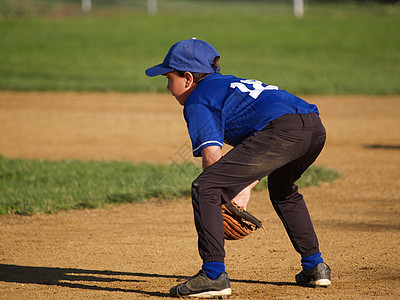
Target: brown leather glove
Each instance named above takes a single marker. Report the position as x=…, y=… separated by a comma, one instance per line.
x=238, y=223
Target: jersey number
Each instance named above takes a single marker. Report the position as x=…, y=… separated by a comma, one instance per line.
x=256, y=85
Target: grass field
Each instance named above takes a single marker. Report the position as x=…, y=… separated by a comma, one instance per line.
x=34, y=186
x=319, y=54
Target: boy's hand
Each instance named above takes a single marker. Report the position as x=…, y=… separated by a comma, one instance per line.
x=242, y=199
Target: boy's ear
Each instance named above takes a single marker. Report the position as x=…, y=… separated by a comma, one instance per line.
x=189, y=78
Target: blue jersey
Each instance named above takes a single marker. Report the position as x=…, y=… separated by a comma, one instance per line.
x=224, y=108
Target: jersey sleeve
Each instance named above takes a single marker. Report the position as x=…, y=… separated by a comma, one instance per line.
x=205, y=126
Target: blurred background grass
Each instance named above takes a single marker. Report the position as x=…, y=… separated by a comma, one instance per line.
x=38, y=186
x=333, y=49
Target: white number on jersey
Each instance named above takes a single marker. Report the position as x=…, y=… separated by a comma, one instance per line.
x=256, y=85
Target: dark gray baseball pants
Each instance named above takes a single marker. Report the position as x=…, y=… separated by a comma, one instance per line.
x=283, y=150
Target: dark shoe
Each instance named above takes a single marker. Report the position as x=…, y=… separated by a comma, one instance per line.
x=202, y=286
x=318, y=276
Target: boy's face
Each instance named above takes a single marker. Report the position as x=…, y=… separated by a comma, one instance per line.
x=180, y=87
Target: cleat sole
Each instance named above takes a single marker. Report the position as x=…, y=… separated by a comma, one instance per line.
x=322, y=283
x=223, y=294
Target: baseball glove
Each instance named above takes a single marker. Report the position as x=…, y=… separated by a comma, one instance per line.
x=238, y=223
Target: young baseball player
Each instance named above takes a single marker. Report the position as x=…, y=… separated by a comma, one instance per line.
x=273, y=133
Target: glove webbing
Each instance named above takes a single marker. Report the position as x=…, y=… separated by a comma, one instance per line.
x=240, y=212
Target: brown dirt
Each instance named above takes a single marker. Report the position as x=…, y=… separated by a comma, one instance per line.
x=138, y=251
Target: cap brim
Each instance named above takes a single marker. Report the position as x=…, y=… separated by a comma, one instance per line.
x=158, y=70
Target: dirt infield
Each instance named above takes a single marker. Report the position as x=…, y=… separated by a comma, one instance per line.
x=138, y=251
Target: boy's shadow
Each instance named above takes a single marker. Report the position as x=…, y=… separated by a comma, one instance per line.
x=69, y=277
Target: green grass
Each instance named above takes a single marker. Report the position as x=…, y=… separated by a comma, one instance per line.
x=34, y=186
x=319, y=54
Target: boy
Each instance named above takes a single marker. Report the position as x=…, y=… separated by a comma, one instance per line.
x=273, y=133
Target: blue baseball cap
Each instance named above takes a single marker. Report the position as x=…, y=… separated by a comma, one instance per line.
x=191, y=55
